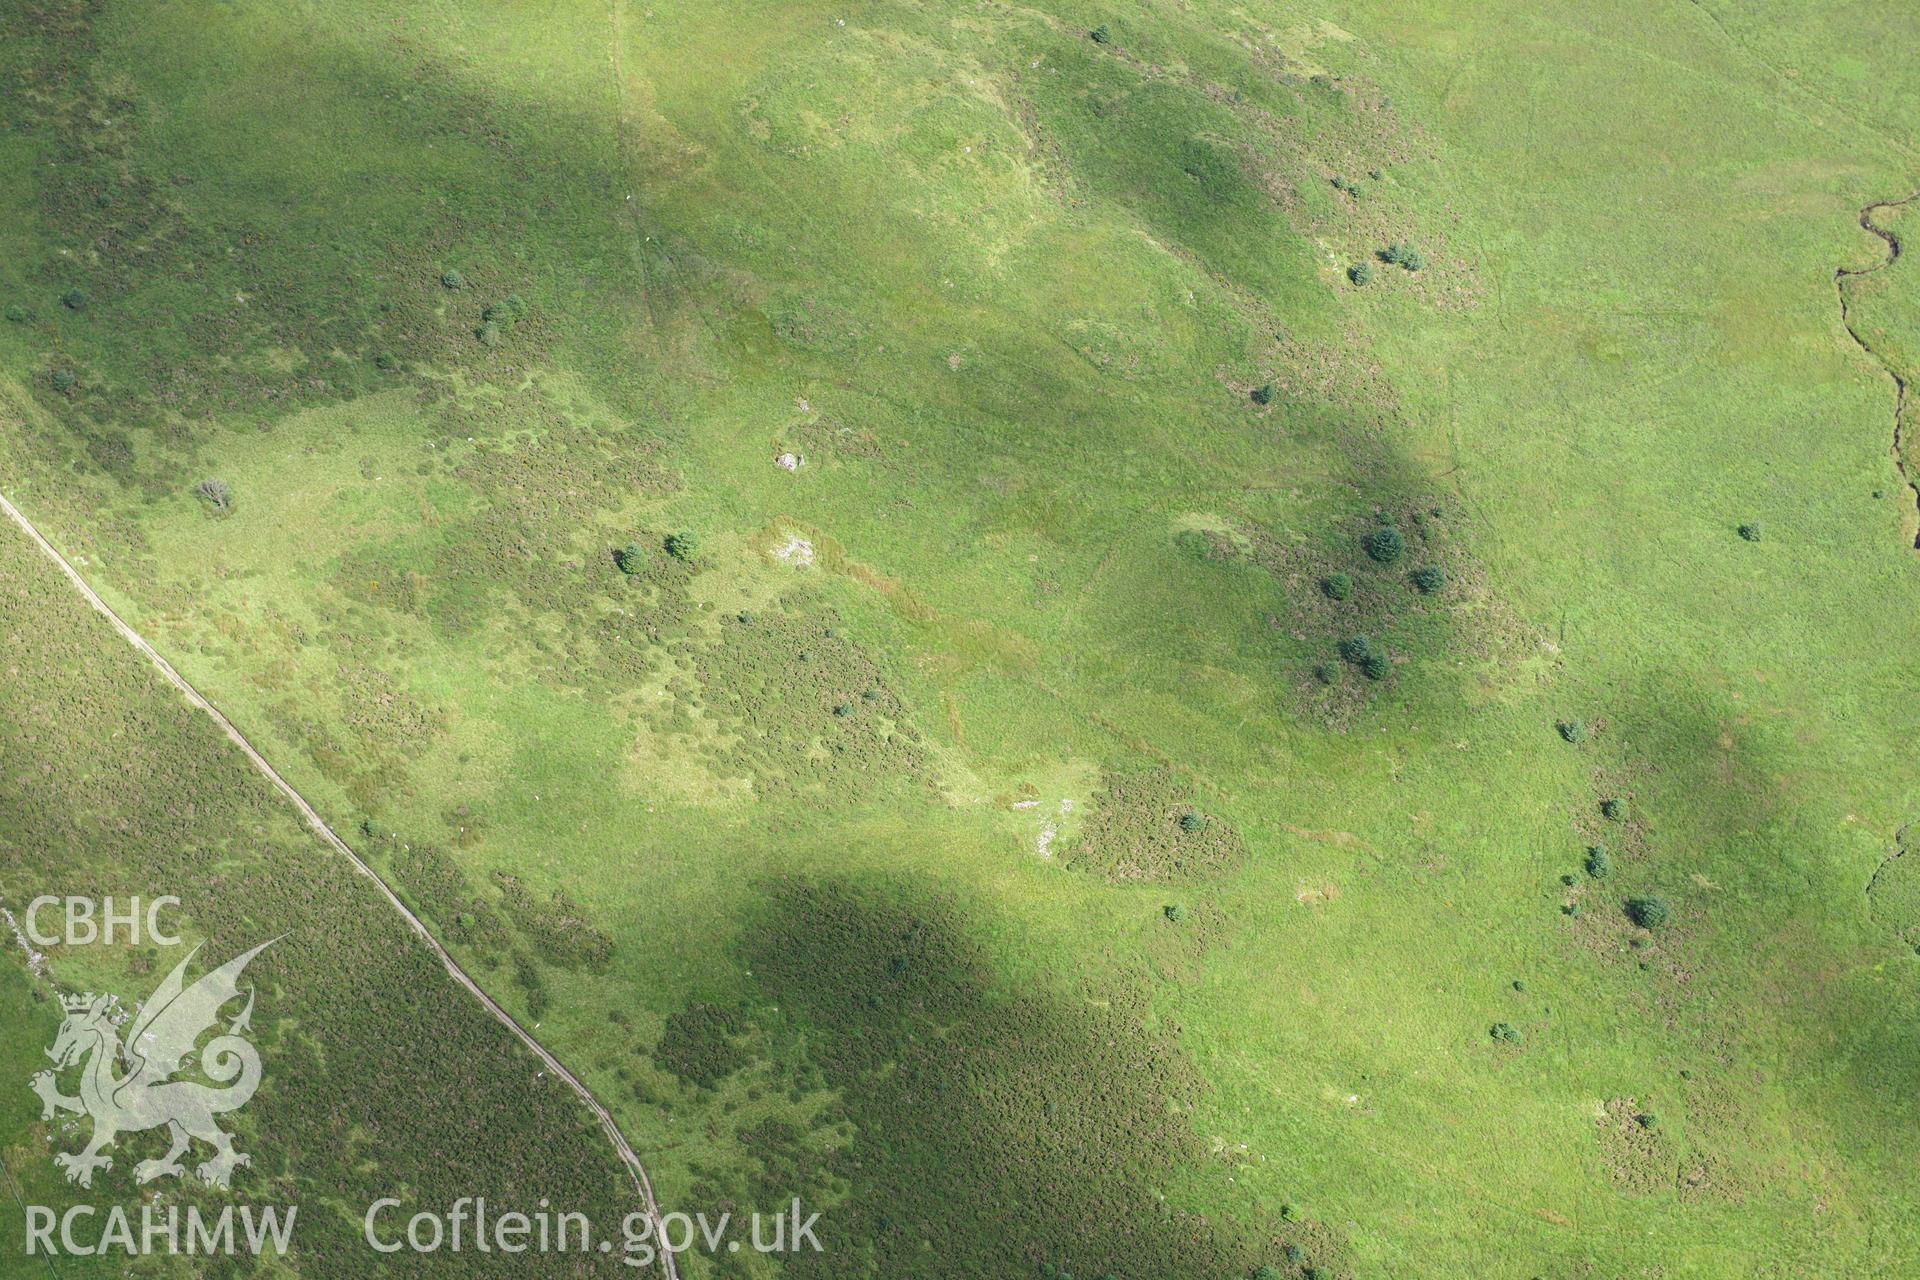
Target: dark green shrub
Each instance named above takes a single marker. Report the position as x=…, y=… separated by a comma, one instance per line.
x=62, y=379
x=1574, y=730
x=452, y=279
x=1648, y=1120
x=74, y=299
x=1429, y=578
x=1750, y=531
x=1326, y=673
x=1613, y=809
x=1100, y=34
x=1376, y=666
x=1174, y=912
x=1599, y=864
x=1191, y=821
x=1356, y=648
x=386, y=360
x=1338, y=586
x=1505, y=1032
x=1519, y=986
x=1294, y=1253
x=1266, y=1271
x=1403, y=255
x=1361, y=273
x=843, y=709
x=1385, y=544
x=1650, y=912
x=16, y=313
x=631, y=558
x=1263, y=394
x=488, y=333
x=683, y=545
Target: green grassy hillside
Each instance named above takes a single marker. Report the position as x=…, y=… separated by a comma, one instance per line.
x=378, y=1079
x=1265, y=508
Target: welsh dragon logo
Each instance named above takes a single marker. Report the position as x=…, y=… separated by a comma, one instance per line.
x=159, y=1044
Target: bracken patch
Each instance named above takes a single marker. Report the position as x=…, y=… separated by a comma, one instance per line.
x=1139, y=830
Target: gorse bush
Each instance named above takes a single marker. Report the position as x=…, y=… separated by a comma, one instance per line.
x=1750, y=532
x=1403, y=255
x=451, y=279
x=62, y=379
x=1356, y=648
x=1613, y=809
x=1650, y=912
x=1174, y=912
x=1191, y=821
x=683, y=545
x=1505, y=1032
x=631, y=558
x=1101, y=35
x=1385, y=544
x=1574, y=730
x=1599, y=863
x=1263, y=394
x=1376, y=666
x=1337, y=586
x=1429, y=578
x=1361, y=273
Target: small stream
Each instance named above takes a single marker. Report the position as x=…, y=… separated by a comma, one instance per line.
x=1900, y=391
